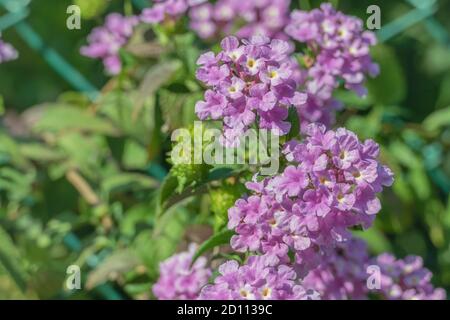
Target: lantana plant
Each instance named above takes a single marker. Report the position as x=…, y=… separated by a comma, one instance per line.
x=289, y=235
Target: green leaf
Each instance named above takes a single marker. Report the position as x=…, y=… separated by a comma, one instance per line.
x=126, y=181
x=40, y=152
x=169, y=197
x=82, y=151
x=404, y=155
x=134, y=155
x=57, y=118
x=420, y=182
x=366, y=126
x=153, y=247
x=436, y=58
x=2, y=106
x=218, y=239
x=139, y=214
x=220, y=173
x=305, y=5
x=18, y=184
x=10, y=152
x=154, y=79
x=167, y=189
x=351, y=99
x=375, y=239
x=122, y=109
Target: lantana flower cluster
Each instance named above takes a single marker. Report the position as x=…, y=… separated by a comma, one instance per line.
x=406, y=279
x=331, y=185
x=106, y=41
x=248, y=80
x=224, y=17
x=338, y=49
x=167, y=9
x=242, y=18
x=257, y=279
x=180, y=278
x=7, y=52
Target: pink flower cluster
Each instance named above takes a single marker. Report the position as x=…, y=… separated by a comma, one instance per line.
x=106, y=41
x=406, y=279
x=7, y=52
x=331, y=186
x=248, y=80
x=339, y=50
x=341, y=274
x=256, y=280
x=179, y=280
x=242, y=18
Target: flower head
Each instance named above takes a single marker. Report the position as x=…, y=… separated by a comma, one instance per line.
x=339, y=51
x=257, y=279
x=179, y=280
x=250, y=18
x=341, y=274
x=406, y=279
x=163, y=9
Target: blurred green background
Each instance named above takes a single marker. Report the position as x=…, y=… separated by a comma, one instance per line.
x=79, y=180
